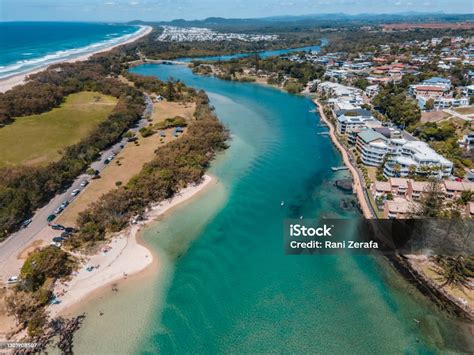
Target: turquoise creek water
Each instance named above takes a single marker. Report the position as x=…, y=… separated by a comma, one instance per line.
x=224, y=283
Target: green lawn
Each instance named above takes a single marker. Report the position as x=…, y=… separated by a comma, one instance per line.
x=38, y=139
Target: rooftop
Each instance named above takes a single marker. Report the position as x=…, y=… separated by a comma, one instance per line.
x=369, y=135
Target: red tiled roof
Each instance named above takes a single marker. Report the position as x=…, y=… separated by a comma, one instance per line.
x=429, y=88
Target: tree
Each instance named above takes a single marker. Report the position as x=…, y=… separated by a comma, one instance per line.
x=431, y=204
x=170, y=90
x=452, y=271
x=429, y=105
x=361, y=83
x=466, y=196
x=92, y=172
x=50, y=262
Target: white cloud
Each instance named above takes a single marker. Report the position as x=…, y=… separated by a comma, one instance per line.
x=133, y=3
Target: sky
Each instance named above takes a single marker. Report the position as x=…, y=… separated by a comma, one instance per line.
x=157, y=10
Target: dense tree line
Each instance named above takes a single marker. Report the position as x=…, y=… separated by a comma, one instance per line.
x=393, y=101
x=177, y=164
x=278, y=68
x=47, y=89
x=357, y=40
x=24, y=189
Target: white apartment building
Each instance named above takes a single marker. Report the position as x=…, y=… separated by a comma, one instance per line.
x=347, y=123
x=467, y=141
x=418, y=157
x=403, y=157
x=372, y=90
x=372, y=146
x=441, y=102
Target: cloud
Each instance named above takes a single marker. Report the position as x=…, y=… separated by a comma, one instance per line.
x=134, y=3
x=110, y=3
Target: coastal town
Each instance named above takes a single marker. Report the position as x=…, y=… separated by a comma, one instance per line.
x=146, y=123
x=425, y=133
x=398, y=159
x=197, y=34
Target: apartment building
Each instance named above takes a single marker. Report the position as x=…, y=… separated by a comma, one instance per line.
x=417, y=157
x=372, y=147
x=355, y=120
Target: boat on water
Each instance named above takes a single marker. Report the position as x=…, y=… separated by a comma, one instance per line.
x=282, y=203
x=337, y=168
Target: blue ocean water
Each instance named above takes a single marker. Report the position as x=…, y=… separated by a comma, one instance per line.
x=25, y=46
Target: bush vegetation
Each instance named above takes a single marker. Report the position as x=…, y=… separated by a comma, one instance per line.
x=37, y=276
x=177, y=164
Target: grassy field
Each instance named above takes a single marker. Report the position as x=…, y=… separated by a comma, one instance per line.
x=129, y=161
x=38, y=139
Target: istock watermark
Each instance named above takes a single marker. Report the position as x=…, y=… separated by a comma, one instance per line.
x=362, y=236
x=326, y=236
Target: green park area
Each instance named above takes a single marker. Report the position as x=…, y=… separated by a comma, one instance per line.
x=39, y=139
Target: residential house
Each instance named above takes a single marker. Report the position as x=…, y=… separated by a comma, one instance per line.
x=399, y=208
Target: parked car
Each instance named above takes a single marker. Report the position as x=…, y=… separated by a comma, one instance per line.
x=69, y=230
x=57, y=227
x=55, y=244
x=51, y=217
x=84, y=183
x=106, y=161
x=58, y=239
x=65, y=235
x=65, y=204
x=12, y=280
x=26, y=223
x=75, y=192
x=58, y=210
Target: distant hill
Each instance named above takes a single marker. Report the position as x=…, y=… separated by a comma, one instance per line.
x=313, y=20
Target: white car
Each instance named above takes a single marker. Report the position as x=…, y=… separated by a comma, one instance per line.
x=84, y=183
x=75, y=192
x=55, y=244
x=12, y=280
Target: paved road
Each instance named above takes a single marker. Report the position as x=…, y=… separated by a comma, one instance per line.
x=17, y=242
x=458, y=115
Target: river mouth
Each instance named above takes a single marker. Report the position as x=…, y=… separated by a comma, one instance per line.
x=226, y=284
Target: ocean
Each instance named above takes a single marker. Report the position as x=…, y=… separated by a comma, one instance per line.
x=25, y=46
x=224, y=284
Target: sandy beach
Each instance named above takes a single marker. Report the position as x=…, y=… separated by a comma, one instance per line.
x=9, y=82
x=126, y=257
x=358, y=187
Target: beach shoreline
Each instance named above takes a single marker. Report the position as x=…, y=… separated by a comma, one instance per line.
x=128, y=259
x=9, y=82
x=358, y=184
